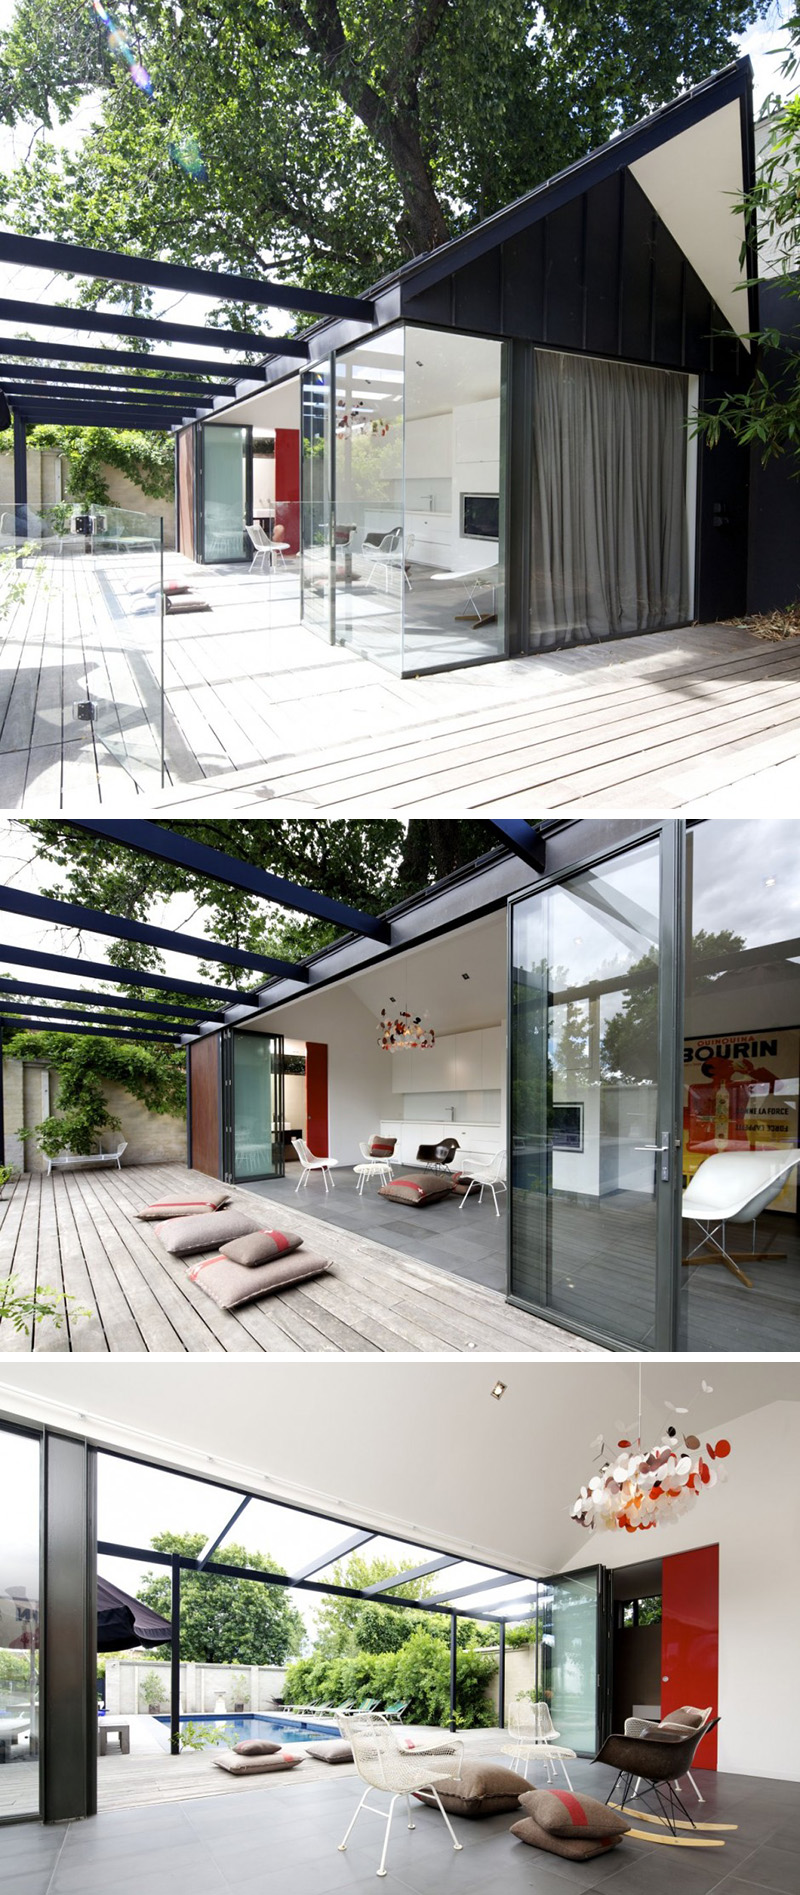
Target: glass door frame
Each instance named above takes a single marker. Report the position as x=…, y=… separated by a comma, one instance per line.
x=30, y=1431
x=671, y=838
x=604, y=1639
x=228, y=1108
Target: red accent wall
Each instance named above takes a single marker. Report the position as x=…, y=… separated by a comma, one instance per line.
x=690, y=1637
x=287, y=486
x=317, y=1098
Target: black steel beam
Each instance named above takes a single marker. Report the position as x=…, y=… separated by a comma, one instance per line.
x=318, y=1565
x=116, y=417
x=124, y=976
x=526, y=841
x=129, y=358
x=175, y=1658
x=49, y=1010
x=20, y=469
x=501, y=1678
x=181, y=1010
x=62, y=401
x=55, y=316
x=100, y=1033
x=211, y=1545
x=116, y=266
x=413, y=1572
x=2, y=1107
x=453, y=1668
x=30, y=380
x=71, y=914
x=168, y=845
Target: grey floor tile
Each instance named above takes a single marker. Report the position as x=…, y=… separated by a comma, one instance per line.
x=768, y=1867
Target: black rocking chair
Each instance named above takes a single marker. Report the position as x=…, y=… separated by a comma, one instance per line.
x=660, y=1761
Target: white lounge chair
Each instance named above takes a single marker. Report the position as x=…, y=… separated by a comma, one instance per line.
x=734, y=1187
x=309, y=1163
x=79, y=1161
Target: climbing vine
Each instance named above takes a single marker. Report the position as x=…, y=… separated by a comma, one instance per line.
x=145, y=459
x=154, y=1075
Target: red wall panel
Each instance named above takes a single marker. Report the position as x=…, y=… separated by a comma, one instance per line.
x=287, y=485
x=317, y=1097
x=690, y=1637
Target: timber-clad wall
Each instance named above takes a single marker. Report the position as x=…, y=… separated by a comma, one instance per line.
x=205, y=1105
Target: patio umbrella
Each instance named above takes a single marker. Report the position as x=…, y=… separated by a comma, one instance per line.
x=123, y=1623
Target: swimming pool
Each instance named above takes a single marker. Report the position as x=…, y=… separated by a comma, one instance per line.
x=232, y=1730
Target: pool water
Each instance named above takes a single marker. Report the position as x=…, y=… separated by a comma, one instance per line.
x=232, y=1730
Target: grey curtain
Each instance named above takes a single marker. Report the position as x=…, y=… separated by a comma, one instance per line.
x=609, y=550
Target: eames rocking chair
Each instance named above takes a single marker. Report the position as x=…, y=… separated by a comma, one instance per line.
x=658, y=1761
x=384, y=1763
x=734, y=1187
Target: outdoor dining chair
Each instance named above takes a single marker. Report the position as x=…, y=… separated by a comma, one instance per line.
x=485, y=1174
x=309, y=1163
x=533, y=1739
x=383, y=1763
x=734, y=1187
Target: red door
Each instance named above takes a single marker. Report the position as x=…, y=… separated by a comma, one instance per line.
x=690, y=1637
x=317, y=1097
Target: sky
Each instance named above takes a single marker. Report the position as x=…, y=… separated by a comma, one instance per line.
x=759, y=42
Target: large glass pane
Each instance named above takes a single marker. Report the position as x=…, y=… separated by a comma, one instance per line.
x=454, y=598
x=569, y=1657
x=20, y=1592
x=316, y=499
x=224, y=469
x=584, y=1097
x=742, y=1085
x=257, y=1134
x=372, y=571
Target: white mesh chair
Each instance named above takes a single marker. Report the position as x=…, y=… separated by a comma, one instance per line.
x=384, y=1763
x=533, y=1739
x=309, y=1163
x=485, y=1174
x=262, y=546
x=374, y=1165
x=734, y=1187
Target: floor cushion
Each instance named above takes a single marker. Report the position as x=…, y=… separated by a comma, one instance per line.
x=575, y=1848
x=181, y=1235
x=256, y=1747
x=418, y=1187
x=177, y=1207
x=231, y=1284
x=483, y=1789
x=336, y=1751
x=253, y=1766
x=565, y=1813
x=260, y=1246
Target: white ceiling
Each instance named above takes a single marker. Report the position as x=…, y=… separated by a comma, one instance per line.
x=415, y=1447
x=693, y=182
x=277, y=407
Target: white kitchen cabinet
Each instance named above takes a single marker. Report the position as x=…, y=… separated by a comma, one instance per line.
x=467, y=1075
x=493, y=1056
x=458, y=1062
x=429, y=447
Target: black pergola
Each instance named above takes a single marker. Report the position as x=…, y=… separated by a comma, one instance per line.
x=42, y=393
x=193, y=1008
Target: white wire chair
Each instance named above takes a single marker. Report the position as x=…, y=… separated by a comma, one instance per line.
x=533, y=1736
x=485, y=1174
x=372, y=1166
x=384, y=1763
x=309, y=1163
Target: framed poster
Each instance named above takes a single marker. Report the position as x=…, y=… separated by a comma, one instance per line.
x=741, y=1094
x=566, y=1126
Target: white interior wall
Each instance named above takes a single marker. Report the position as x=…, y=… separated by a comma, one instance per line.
x=754, y=1517
x=446, y=456
x=359, y=1074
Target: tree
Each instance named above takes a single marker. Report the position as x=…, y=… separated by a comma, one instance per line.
x=766, y=415
x=328, y=142
x=226, y=1621
x=347, y=1626
x=369, y=864
x=630, y=1038
x=147, y=460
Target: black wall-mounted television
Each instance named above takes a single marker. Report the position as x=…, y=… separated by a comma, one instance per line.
x=566, y=1126
x=480, y=516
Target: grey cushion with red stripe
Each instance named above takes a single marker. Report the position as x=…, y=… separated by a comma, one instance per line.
x=261, y=1246
x=564, y=1813
x=182, y=1207
x=182, y=1235
x=577, y=1847
x=418, y=1187
x=229, y=1284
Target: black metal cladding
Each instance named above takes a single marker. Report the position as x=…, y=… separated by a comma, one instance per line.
x=600, y=275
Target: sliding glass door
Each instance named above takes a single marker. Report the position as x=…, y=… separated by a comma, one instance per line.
x=20, y=1629
x=253, y=1105
x=594, y=1127
x=575, y=1649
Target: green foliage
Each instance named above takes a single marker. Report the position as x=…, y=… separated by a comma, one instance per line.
x=346, y=1627
x=339, y=137
x=8, y=1173
x=519, y=1635
x=419, y=1670
x=629, y=1040
x=154, y=1688
x=15, y=1667
x=766, y=415
x=22, y=1308
x=226, y=1621
x=13, y=580
x=146, y=459
x=202, y=1736
x=152, y=1074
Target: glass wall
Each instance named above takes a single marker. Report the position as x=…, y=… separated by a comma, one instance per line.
x=584, y=1092
x=570, y=1657
x=224, y=452
x=20, y=1629
x=413, y=526
x=742, y=1083
x=257, y=1106
x=316, y=500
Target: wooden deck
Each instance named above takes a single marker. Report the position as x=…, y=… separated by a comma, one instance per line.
x=78, y=1232
x=655, y=724
x=676, y=721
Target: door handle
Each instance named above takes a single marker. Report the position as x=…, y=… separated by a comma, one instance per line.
x=665, y=1679
x=664, y=1150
